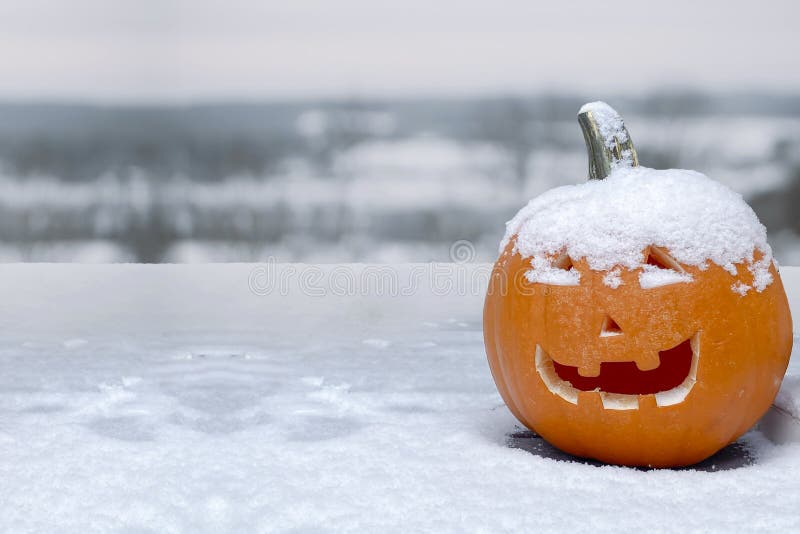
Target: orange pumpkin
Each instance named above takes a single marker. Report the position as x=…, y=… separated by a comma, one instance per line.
x=641, y=376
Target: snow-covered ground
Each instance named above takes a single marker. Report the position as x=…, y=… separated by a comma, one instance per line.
x=274, y=398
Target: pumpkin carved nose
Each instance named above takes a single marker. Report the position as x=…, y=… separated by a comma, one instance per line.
x=610, y=327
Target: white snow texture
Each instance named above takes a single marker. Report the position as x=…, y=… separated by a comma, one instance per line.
x=176, y=399
x=612, y=222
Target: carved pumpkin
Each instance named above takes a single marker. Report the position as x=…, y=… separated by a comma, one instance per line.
x=634, y=352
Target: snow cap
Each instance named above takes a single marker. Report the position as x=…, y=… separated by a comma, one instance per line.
x=611, y=222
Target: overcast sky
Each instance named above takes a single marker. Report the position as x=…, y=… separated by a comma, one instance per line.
x=153, y=50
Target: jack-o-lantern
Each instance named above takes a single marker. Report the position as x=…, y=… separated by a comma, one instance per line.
x=637, y=318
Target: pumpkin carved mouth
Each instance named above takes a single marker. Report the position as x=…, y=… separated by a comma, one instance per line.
x=622, y=385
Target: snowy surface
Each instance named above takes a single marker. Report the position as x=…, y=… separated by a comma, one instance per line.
x=274, y=398
x=652, y=276
x=611, y=223
x=545, y=271
x=789, y=396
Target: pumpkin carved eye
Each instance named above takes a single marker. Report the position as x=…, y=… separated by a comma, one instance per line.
x=563, y=262
x=558, y=271
x=659, y=258
x=661, y=269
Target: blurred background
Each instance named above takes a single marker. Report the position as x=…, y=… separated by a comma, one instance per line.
x=317, y=131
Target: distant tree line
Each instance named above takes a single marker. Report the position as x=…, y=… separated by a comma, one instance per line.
x=213, y=142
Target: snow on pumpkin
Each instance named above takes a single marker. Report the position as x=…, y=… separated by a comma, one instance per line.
x=613, y=222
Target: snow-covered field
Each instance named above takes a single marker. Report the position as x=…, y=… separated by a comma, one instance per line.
x=275, y=398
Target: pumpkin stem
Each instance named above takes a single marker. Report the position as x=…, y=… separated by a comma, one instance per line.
x=607, y=140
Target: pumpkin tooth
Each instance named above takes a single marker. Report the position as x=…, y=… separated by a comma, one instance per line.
x=648, y=361
x=619, y=401
x=590, y=369
x=647, y=402
x=591, y=399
